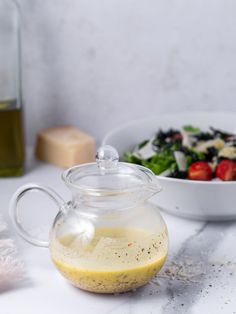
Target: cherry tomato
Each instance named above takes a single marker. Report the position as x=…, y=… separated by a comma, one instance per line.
x=226, y=170
x=200, y=170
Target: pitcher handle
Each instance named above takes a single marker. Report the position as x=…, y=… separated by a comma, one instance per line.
x=14, y=210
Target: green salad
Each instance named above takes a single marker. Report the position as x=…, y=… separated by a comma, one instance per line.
x=188, y=153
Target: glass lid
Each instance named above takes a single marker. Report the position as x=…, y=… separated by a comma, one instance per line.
x=107, y=174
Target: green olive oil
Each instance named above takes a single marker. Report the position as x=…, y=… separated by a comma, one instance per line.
x=11, y=139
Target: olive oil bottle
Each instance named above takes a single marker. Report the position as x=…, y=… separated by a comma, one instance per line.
x=11, y=128
x=11, y=139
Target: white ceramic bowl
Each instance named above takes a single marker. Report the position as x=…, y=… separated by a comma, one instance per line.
x=214, y=200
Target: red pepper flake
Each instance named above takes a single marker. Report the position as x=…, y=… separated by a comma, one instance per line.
x=129, y=244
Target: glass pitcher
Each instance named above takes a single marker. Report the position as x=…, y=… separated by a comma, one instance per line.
x=108, y=238
x=11, y=129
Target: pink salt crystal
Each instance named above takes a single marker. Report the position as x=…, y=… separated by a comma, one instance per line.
x=11, y=268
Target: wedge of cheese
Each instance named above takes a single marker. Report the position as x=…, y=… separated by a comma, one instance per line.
x=65, y=146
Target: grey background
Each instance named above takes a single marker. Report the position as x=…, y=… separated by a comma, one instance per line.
x=98, y=64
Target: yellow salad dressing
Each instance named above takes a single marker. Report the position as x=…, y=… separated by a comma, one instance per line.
x=115, y=260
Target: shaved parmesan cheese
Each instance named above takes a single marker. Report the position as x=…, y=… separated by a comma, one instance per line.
x=166, y=173
x=180, y=160
x=188, y=139
x=146, y=152
x=203, y=146
x=228, y=152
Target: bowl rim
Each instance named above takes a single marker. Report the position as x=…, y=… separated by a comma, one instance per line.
x=166, y=115
x=196, y=182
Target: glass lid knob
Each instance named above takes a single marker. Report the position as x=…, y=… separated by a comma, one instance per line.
x=107, y=157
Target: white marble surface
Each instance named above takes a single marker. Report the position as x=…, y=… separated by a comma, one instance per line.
x=101, y=63
x=206, y=250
